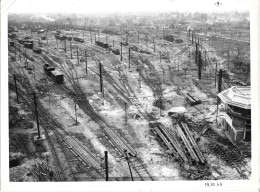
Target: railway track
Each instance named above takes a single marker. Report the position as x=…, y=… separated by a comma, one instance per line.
x=58, y=140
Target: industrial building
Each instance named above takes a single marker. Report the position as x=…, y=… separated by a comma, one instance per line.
x=235, y=115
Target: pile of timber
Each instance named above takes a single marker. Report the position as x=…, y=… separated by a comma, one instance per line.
x=179, y=140
x=43, y=172
x=192, y=100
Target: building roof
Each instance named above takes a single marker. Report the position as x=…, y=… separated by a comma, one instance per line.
x=239, y=96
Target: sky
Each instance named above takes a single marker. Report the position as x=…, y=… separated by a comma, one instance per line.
x=108, y=6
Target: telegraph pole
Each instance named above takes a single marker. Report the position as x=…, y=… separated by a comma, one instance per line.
x=26, y=64
x=163, y=31
x=125, y=113
x=16, y=91
x=216, y=74
x=121, y=51
x=86, y=62
x=20, y=53
x=106, y=165
x=160, y=100
x=200, y=62
x=228, y=60
x=219, y=80
x=101, y=78
x=138, y=37
x=160, y=56
x=127, y=159
x=90, y=37
x=248, y=69
x=75, y=110
x=65, y=46
x=71, y=49
x=14, y=50
x=153, y=45
x=46, y=37
x=36, y=115
x=56, y=43
x=129, y=58
x=78, y=54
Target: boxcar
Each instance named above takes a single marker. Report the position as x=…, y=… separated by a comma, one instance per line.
x=57, y=76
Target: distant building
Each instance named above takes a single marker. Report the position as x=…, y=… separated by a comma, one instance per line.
x=235, y=113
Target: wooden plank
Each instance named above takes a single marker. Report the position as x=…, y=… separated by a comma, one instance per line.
x=175, y=144
x=195, y=146
x=187, y=144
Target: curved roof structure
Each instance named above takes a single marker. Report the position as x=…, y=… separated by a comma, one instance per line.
x=239, y=96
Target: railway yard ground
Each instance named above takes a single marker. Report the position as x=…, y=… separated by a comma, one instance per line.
x=135, y=105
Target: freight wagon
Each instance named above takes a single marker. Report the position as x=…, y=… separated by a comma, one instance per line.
x=78, y=39
x=101, y=44
x=28, y=45
x=47, y=69
x=115, y=51
x=57, y=76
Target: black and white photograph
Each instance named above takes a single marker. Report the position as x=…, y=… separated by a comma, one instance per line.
x=119, y=91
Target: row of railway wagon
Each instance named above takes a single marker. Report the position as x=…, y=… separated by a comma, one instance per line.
x=64, y=37
x=27, y=42
x=171, y=38
x=56, y=76
x=107, y=46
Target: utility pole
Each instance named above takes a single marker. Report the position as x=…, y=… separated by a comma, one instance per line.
x=138, y=37
x=75, y=105
x=14, y=50
x=121, y=52
x=86, y=62
x=129, y=58
x=46, y=37
x=78, y=54
x=205, y=56
x=71, y=49
x=200, y=62
x=219, y=81
x=20, y=53
x=106, y=165
x=65, y=46
x=160, y=56
x=163, y=31
x=36, y=115
x=26, y=64
x=216, y=74
x=160, y=105
x=126, y=157
x=153, y=45
x=247, y=73
x=90, y=37
x=196, y=54
x=101, y=78
x=16, y=91
x=189, y=34
x=228, y=60
x=33, y=73
x=192, y=37
x=125, y=113
x=56, y=43
x=113, y=44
